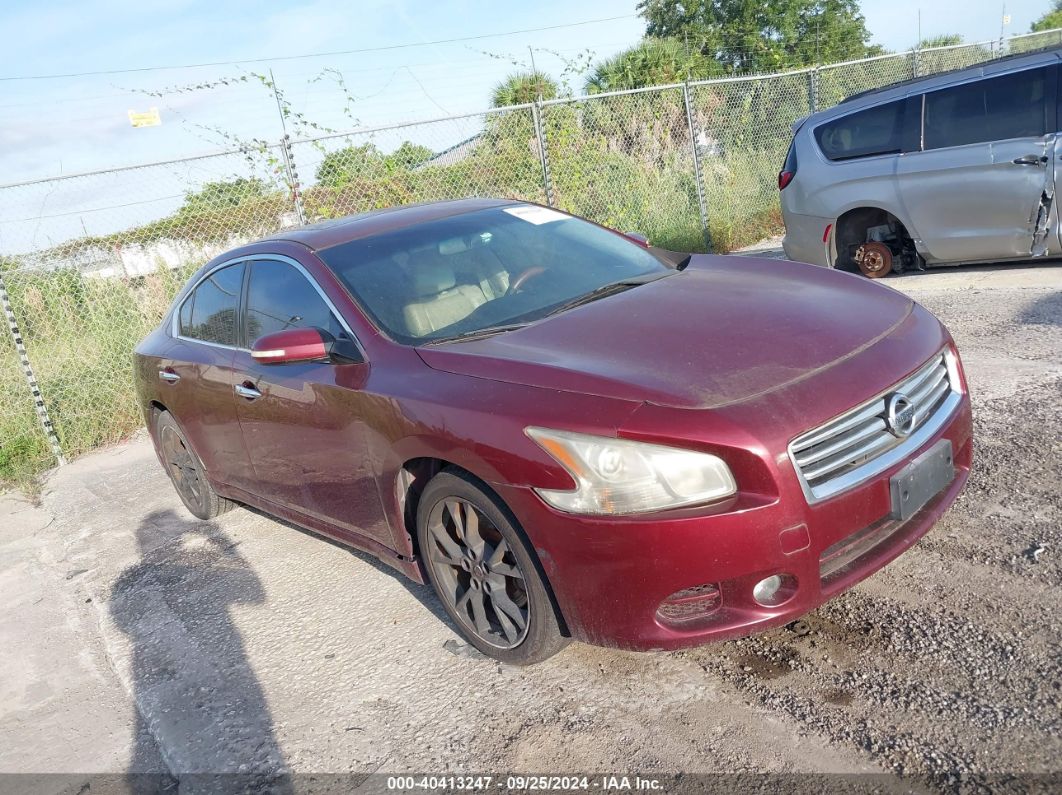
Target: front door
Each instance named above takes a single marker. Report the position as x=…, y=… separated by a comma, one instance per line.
x=303, y=423
x=980, y=189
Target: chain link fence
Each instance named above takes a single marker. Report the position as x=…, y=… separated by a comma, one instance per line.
x=90, y=263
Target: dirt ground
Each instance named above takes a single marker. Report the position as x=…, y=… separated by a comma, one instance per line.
x=135, y=638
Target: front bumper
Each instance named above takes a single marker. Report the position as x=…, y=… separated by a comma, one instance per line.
x=610, y=575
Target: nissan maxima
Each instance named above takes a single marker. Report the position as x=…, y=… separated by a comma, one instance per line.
x=570, y=434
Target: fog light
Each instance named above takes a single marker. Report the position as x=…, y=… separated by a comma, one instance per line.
x=772, y=591
x=690, y=604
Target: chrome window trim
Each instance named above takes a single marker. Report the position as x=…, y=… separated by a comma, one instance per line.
x=893, y=455
x=249, y=259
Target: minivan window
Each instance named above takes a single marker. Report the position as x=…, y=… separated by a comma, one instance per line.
x=1009, y=106
x=209, y=313
x=279, y=297
x=874, y=131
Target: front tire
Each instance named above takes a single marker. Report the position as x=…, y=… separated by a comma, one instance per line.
x=186, y=471
x=484, y=572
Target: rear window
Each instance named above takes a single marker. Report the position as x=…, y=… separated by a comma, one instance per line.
x=209, y=313
x=874, y=131
x=1009, y=106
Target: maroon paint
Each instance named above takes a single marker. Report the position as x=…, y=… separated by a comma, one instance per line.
x=735, y=357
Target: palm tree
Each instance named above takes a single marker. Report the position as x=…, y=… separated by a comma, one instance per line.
x=520, y=88
x=651, y=62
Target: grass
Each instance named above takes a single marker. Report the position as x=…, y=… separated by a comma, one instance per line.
x=80, y=334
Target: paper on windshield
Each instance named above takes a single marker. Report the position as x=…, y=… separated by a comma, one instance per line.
x=535, y=215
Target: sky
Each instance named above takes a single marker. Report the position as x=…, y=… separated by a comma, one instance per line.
x=64, y=125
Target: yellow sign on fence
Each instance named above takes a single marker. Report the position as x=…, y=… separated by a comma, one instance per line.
x=148, y=118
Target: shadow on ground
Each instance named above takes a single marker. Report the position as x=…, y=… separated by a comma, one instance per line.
x=1044, y=311
x=194, y=688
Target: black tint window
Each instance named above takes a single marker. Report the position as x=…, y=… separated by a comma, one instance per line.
x=279, y=297
x=874, y=131
x=209, y=313
x=1011, y=106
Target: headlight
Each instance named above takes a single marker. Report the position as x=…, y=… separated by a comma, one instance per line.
x=617, y=476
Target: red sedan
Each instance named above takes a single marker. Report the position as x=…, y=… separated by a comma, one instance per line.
x=569, y=433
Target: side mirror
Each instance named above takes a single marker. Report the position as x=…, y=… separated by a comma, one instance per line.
x=304, y=345
x=638, y=238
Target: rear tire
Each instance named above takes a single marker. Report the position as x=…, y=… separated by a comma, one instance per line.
x=484, y=572
x=186, y=471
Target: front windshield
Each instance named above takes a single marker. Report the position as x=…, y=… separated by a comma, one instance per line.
x=480, y=270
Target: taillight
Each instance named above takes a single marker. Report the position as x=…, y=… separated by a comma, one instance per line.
x=789, y=167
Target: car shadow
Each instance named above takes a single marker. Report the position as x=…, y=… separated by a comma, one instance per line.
x=1044, y=311
x=195, y=689
x=424, y=594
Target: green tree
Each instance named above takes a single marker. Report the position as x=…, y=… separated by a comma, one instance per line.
x=754, y=36
x=943, y=40
x=216, y=196
x=1050, y=20
x=652, y=62
x=344, y=165
x=365, y=161
x=520, y=88
x=407, y=156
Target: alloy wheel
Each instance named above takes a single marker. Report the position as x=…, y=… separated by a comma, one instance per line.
x=181, y=466
x=477, y=573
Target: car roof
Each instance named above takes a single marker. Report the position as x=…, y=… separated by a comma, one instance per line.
x=902, y=88
x=326, y=234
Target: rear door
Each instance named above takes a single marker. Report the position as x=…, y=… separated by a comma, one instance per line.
x=197, y=374
x=981, y=186
x=303, y=423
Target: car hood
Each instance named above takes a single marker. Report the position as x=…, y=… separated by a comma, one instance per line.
x=722, y=331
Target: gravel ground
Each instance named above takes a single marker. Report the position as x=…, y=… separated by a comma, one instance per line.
x=133, y=637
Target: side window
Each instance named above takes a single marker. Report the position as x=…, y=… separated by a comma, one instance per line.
x=279, y=297
x=1009, y=106
x=209, y=313
x=874, y=131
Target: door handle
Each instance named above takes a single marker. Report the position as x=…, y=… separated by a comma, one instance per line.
x=247, y=391
x=1030, y=160
x=169, y=376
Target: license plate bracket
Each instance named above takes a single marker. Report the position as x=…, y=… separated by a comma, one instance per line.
x=921, y=480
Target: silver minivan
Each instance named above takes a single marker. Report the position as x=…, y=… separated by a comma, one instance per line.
x=949, y=169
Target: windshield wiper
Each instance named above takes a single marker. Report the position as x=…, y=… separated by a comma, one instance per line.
x=477, y=333
x=605, y=290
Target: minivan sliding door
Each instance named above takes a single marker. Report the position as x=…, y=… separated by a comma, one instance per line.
x=982, y=185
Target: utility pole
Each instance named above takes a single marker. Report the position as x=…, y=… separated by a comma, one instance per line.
x=916, y=65
x=288, y=156
x=818, y=20
x=534, y=73
x=280, y=107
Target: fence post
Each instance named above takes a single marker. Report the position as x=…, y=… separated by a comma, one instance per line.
x=813, y=90
x=702, y=206
x=31, y=379
x=543, y=153
x=916, y=63
x=293, y=177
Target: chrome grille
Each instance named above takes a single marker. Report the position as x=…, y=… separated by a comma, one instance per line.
x=859, y=444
